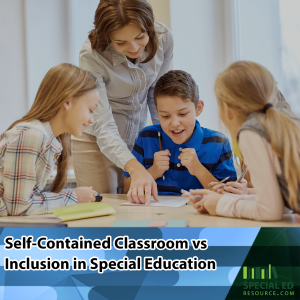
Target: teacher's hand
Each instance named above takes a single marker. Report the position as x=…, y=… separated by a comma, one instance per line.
x=142, y=183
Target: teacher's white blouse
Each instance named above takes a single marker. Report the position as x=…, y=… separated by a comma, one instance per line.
x=126, y=90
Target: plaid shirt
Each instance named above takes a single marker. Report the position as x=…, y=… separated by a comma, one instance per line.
x=28, y=153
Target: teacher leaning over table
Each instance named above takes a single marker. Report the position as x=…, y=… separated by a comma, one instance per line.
x=127, y=52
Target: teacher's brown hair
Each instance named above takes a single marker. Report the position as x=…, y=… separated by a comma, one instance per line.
x=113, y=15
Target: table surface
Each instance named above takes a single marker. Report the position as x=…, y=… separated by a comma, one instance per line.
x=186, y=212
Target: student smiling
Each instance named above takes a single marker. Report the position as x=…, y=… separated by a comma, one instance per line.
x=29, y=149
x=191, y=155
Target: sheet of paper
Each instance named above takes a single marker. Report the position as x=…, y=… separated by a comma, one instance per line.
x=169, y=201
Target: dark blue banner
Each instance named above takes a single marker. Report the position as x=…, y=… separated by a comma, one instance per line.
x=121, y=263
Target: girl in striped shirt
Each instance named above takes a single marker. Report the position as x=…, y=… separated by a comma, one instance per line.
x=30, y=148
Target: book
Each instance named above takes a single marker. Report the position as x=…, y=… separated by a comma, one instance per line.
x=31, y=221
x=34, y=224
x=80, y=211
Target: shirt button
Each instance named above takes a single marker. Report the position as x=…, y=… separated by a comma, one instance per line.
x=178, y=165
x=180, y=149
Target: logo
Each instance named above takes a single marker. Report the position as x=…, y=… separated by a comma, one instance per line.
x=259, y=273
x=265, y=281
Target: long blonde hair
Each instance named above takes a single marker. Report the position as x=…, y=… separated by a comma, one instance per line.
x=247, y=87
x=61, y=83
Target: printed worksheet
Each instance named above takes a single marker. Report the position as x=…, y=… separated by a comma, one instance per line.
x=169, y=201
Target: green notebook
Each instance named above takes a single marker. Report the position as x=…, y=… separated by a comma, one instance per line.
x=80, y=211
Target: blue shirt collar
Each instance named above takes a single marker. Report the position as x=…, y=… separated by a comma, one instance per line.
x=194, y=142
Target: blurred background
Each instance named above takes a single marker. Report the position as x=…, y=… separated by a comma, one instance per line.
x=36, y=35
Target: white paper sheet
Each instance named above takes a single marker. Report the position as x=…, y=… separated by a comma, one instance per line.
x=169, y=201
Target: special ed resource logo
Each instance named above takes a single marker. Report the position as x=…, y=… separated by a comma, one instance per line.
x=265, y=281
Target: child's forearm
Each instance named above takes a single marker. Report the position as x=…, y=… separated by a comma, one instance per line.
x=127, y=181
x=205, y=177
x=153, y=172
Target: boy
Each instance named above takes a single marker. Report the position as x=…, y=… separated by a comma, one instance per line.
x=190, y=156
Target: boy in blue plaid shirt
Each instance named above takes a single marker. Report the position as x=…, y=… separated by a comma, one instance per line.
x=190, y=156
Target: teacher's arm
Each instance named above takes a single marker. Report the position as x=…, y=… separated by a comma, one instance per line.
x=110, y=141
x=167, y=44
x=140, y=188
x=133, y=192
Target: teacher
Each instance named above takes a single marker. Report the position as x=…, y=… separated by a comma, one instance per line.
x=127, y=52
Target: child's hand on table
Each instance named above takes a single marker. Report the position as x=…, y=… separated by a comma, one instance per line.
x=208, y=203
x=85, y=194
x=230, y=187
x=189, y=159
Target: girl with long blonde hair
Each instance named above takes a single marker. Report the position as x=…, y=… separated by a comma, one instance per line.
x=31, y=146
x=269, y=141
x=246, y=187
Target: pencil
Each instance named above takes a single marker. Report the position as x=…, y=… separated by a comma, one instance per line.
x=219, y=182
x=163, y=176
x=242, y=175
x=187, y=192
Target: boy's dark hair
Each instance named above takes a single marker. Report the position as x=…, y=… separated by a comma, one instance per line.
x=177, y=83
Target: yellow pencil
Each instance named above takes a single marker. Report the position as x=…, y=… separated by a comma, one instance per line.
x=219, y=182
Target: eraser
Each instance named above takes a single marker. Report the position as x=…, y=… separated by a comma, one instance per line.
x=158, y=224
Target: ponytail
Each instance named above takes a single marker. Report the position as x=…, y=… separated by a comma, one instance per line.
x=284, y=136
x=248, y=88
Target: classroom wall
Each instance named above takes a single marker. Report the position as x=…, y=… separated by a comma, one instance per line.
x=259, y=31
x=200, y=49
x=34, y=36
x=47, y=32
x=13, y=72
x=161, y=9
x=38, y=34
